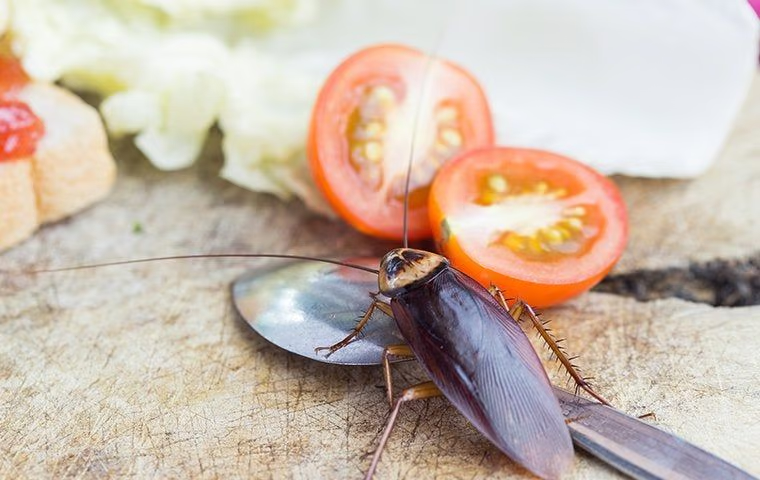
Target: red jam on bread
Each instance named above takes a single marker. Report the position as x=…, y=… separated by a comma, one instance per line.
x=20, y=128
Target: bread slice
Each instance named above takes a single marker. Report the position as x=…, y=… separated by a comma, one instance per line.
x=18, y=202
x=73, y=167
x=70, y=169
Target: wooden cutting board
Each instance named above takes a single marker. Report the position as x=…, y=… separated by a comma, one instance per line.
x=146, y=371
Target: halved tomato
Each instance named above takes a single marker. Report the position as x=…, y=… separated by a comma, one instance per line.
x=540, y=226
x=377, y=109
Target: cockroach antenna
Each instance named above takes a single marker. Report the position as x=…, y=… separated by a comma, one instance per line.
x=430, y=59
x=202, y=256
x=428, y=65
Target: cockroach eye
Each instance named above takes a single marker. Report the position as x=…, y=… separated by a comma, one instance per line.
x=413, y=255
x=394, y=266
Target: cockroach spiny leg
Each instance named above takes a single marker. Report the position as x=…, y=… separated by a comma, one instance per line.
x=416, y=392
x=400, y=352
x=357, y=329
x=519, y=308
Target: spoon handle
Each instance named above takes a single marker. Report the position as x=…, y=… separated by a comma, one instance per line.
x=637, y=448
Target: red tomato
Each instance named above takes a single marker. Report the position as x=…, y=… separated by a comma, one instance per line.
x=540, y=226
x=20, y=129
x=362, y=127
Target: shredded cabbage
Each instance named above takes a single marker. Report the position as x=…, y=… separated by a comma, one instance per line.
x=168, y=70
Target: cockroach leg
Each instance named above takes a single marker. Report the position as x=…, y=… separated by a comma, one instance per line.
x=416, y=392
x=384, y=307
x=400, y=352
x=517, y=309
x=559, y=352
x=520, y=310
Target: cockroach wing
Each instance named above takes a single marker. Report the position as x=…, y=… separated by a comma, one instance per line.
x=482, y=361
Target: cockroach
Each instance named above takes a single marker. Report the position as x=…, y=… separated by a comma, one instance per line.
x=476, y=355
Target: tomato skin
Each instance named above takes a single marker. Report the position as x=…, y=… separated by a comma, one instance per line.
x=541, y=284
x=369, y=211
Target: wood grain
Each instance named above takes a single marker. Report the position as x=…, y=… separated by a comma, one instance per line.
x=145, y=371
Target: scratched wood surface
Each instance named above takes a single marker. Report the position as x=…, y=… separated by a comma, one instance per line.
x=146, y=371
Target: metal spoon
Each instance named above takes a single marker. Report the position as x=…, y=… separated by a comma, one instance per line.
x=301, y=305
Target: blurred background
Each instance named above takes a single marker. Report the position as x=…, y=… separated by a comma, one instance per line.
x=647, y=88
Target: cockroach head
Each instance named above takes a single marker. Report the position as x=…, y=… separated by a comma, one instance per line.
x=403, y=269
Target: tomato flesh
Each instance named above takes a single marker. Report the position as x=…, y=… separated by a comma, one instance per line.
x=540, y=226
x=376, y=108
